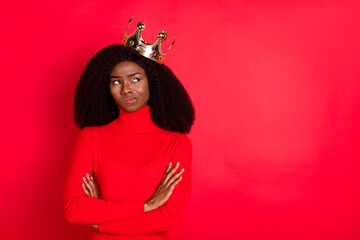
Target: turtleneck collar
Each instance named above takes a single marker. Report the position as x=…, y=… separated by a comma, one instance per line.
x=139, y=121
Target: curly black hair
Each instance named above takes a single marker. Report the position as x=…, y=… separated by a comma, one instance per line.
x=170, y=105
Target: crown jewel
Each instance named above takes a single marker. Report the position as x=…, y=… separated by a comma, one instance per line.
x=151, y=51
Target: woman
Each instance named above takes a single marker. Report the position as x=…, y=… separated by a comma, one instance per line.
x=124, y=177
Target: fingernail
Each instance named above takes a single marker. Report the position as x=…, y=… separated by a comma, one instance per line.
x=182, y=169
x=83, y=185
x=84, y=178
x=91, y=178
x=169, y=163
x=178, y=163
x=87, y=175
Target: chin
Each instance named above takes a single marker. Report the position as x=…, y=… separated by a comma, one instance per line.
x=130, y=108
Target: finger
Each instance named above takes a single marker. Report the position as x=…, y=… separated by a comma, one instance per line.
x=85, y=190
x=96, y=191
x=168, y=167
x=171, y=172
x=175, y=168
x=166, y=170
x=178, y=173
x=171, y=188
x=174, y=177
x=91, y=182
x=89, y=187
x=88, y=177
x=173, y=184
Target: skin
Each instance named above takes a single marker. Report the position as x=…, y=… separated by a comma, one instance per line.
x=127, y=79
x=159, y=198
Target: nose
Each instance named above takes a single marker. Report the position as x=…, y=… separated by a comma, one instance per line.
x=126, y=88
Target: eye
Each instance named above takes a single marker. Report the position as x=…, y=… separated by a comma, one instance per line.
x=137, y=79
x=116, y=82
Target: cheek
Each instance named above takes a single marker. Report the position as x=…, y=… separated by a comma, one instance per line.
x=113, y=92
x=145, y=92
x=145, y=89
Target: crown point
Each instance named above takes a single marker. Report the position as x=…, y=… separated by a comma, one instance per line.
x=141, y=25
x=162, y=35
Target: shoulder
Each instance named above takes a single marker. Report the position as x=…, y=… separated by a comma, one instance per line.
x=182, y=141
x=182, y=151
x=87, y=132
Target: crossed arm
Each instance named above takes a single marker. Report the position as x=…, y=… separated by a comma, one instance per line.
x=162, y=212
x=76, y=205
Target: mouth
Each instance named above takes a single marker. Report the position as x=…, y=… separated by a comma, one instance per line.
x=130, y=100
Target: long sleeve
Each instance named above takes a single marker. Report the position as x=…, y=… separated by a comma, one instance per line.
x=86, y=209
x=168, y=216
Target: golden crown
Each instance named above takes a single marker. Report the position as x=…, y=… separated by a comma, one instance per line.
x=151, y=51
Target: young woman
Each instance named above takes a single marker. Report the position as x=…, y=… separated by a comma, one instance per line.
x=129, y=176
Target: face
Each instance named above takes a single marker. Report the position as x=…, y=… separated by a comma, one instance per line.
x=129, y=86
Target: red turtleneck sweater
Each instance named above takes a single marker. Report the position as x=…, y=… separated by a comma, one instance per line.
x=127, y=159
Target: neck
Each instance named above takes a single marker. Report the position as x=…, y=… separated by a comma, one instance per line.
x=138, y=121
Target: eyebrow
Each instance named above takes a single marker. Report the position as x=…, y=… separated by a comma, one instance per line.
x=130, y=75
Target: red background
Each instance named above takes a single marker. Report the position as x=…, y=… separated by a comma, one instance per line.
x=275, y=86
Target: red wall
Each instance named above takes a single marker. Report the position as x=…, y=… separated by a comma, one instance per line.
x=276, y=89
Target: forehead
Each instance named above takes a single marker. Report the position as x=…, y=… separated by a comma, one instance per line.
x=126, y=67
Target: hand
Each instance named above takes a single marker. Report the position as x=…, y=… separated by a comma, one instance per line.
x=165, y=188
x=90, y=189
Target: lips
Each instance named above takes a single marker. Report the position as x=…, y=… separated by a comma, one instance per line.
x=130, y=100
